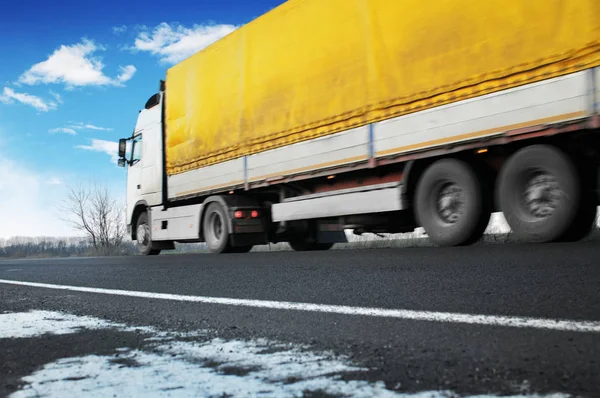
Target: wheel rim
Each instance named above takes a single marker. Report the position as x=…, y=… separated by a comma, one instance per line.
x=143, y=235
x=449, y=202
x=216, y=228
x=541, y=194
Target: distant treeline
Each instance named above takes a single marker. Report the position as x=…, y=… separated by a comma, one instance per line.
x=46, y=247
x=25, y=247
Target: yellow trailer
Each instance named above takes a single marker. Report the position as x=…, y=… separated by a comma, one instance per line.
x=311, y=68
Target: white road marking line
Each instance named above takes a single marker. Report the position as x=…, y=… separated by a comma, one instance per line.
x=447, y=317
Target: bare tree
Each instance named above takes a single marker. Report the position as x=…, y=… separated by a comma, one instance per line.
x=93, y=211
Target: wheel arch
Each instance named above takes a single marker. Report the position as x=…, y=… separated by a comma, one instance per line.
x=140, y=207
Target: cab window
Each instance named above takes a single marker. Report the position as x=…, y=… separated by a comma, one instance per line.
x=136, y=150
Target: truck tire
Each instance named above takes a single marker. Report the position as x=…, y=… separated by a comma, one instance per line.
x=539, y=193
x=215, y=229
x=450, y=203
x=144, y=236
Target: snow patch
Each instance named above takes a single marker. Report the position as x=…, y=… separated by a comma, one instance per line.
x=169, y=366
x=38, y=323
x=194, y=370
x=139, y=373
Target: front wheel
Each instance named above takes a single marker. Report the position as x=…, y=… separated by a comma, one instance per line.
x=144, y=237
x=450, y=203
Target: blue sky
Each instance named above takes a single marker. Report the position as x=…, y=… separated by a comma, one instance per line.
x=72, y=78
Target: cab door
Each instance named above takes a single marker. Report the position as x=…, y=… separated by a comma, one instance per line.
x=134, y=172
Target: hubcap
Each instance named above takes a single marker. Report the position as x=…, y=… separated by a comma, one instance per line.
x=143, y=234
x=450, y=203
x=542, y=195
x=216, y=228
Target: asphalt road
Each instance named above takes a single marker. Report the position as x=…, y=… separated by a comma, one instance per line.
x=409, y=351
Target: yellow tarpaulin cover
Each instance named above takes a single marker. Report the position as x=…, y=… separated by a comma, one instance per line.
x=310, y=68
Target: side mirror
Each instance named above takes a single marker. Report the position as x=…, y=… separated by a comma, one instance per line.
x=122, y=147
x=121, y=162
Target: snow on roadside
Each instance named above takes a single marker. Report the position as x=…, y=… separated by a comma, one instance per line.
x=165, y=373
x=186, y=365
x=37, y=323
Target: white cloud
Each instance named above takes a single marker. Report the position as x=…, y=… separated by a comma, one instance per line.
x=126, y=74
x=88, y=126
x=118, y=30
x=28, y=204
x=174, y=43
x=73, y=128
x=75, y=65
x=64, y=130
x=109, y=147
x=9, y=96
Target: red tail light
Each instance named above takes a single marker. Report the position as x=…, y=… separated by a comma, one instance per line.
x=238, y=214
x=254, y=214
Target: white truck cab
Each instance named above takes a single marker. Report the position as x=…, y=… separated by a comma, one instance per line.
x=144, y=161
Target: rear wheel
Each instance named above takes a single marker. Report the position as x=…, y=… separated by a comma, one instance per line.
x=450, y=203
x=216, y=231
x=540, y=195
x=144, y=236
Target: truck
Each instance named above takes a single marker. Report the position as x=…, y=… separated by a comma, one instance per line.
x=374, y=116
